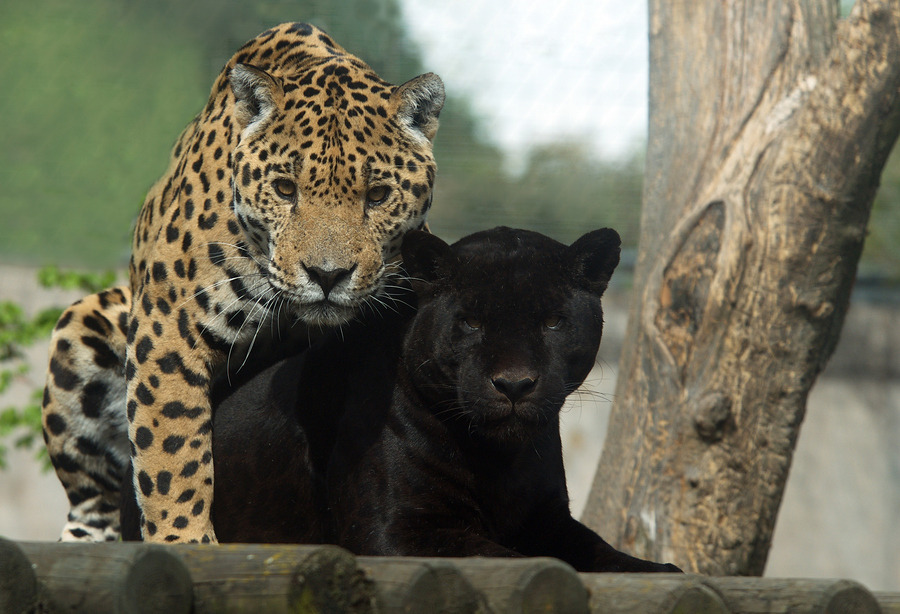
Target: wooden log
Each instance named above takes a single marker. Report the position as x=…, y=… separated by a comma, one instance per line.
x=526, y=585
x=651, y=594
x=421, y=585
x=328, y=580
x=18, y=584
x=794, y=596
x=254, y=578
x=234, y=578
x=889, y=602
x=110, y=577
x=117, y=577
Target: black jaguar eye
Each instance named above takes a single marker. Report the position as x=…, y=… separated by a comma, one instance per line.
x=377, y=195
x=285, y=188
x=472, y=323
x=553, y=322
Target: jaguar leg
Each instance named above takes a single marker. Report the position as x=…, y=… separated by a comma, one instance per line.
x=83, y=412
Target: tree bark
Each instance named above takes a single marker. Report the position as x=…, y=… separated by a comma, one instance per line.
x=770, y=122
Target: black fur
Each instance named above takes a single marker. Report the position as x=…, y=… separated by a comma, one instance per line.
x=446, y=444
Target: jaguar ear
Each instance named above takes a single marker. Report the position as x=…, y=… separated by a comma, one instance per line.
x=419, y=102
x=595, y=256
x=424, y=255
x=257, y=94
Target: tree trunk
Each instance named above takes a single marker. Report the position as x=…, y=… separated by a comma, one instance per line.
x=770, y=122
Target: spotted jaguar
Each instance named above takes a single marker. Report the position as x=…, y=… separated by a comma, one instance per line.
x=282, y=210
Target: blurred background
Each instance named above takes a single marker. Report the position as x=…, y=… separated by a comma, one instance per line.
x=544, y=128
x=544, y=124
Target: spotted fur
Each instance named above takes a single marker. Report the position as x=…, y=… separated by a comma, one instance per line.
x=283, y=205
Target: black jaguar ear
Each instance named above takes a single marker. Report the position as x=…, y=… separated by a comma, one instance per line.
x=595, y=256
x=257, y=94
x=419, y=104
x=423, y=256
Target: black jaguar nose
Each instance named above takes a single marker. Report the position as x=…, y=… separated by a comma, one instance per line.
x=514, y=389
x=327, y=279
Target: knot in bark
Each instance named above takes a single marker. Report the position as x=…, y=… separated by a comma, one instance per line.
x=712, y=415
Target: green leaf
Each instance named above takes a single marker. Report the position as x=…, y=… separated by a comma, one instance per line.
x=54, y=277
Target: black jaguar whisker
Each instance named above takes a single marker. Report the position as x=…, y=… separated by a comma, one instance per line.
x=458, y=412
x=423, y=363
x=584, y=391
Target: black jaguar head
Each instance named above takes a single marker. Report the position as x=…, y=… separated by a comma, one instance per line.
x=509, y=324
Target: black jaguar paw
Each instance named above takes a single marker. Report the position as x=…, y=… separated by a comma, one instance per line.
x=667, y=568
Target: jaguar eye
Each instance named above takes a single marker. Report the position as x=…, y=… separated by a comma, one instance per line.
x=553, y=322
x=377, y=195
x=285, y=188
x=472, y=323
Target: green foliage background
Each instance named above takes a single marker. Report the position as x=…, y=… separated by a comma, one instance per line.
x=96, y=91
x=19, y=330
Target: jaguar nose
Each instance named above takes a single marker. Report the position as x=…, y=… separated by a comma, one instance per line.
x=514, y=389
x=327, y=279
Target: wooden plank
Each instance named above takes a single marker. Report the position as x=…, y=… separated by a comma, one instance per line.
x=794, y=596
x=889, y=602
x=110, y=577
x=526, y=585
x=652, y=594
x=421, y=585
x=18, y=584
x=234, y=578
x=238, y=578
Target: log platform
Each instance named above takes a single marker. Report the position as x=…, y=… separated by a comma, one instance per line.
x=49, y=577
